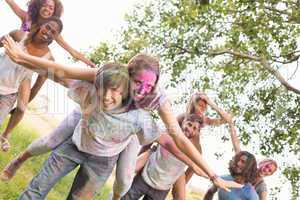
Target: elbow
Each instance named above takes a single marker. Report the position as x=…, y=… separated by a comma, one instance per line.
x=21, y=109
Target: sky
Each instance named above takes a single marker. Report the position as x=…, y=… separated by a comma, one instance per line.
x=88, y=22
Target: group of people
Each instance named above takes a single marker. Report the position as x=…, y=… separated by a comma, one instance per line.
x=113, y=126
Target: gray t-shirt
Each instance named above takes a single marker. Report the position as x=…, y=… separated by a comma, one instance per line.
x=162, y=169
x=107, y=134
x=261, y=187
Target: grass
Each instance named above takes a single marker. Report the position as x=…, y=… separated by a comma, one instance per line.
x=20, y=139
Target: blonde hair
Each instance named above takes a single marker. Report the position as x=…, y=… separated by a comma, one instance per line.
x=191, y=106
x=263, y=162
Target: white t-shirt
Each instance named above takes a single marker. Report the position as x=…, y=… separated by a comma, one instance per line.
x=12, y=74
x=109, y=133
x=162, y=169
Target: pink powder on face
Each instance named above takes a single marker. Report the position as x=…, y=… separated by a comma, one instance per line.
x=144, y=82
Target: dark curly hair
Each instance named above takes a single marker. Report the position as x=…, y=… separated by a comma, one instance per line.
x=250, y=170
x=34, y=7
x=36, y=27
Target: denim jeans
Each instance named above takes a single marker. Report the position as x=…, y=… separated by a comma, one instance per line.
x=92, y=174
x=140, y=188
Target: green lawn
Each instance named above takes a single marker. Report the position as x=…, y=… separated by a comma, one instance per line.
x=21, y=137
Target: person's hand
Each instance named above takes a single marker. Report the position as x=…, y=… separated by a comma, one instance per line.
x=225, y=185
x=229, y=118
x=12, y=49
x=205, y=97
x=91, y=64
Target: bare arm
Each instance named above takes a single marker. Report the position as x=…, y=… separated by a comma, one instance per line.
x=16, y=35
x=234, y=139
x=186, y=146
x=22, y=101
x=22, y=14
x=74, y=53
x=42, y=66
x=210, y=193
x=225, y=117
x=167, y=142
x=263, y=196
x=37, y=86
x=178, y=190
x=141, y=161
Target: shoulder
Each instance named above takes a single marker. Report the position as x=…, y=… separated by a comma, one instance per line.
x=261, y=187
x=17, y=35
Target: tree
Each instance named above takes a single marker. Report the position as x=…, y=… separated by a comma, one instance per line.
x=237, y=48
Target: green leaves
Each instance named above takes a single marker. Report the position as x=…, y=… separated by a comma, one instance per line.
x=183, y=33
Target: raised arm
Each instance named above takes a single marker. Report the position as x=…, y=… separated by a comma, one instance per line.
x=42, y=66
x=186, y=146
x=225, y=117
x=234, y=138
x=22, y=14
x=74, y=53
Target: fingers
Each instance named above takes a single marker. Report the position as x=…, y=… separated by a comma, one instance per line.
x=226, y=189
x=233, y=184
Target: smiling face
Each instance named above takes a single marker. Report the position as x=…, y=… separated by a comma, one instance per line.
x=240, y=164
x=47, y=9
x=190, y=129
x=267, y=168
x=47, y=32
x=200, y=106
x=142, y=84
x=112, y=98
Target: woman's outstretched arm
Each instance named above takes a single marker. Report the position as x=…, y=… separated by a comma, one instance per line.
x=45, y=67
x=74, y=53
x=22, y=14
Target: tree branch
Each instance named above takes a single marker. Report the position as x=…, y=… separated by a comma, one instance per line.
x=263, y=62
x=279, y=77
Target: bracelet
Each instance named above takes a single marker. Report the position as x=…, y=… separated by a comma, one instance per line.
x=213, y=178
x=153, y=147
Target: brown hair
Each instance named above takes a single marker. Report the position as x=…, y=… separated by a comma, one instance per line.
x=192, y=118
x=112, y=75
x=34, y=7
x=250, y=170
x=143, y=61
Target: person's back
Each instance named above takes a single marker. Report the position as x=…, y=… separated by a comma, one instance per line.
x=162, y=169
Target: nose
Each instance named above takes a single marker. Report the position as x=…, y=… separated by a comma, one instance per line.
x=107, y=94
x=142, y=90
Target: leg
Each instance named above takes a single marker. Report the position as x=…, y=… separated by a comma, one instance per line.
x=178, y=191
x=125, y=169
x=43, y=144
x=92, y=175
x=61, y=162
x=138, y=188
x=6, y=104
x=62, y=133
x=154, y=194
